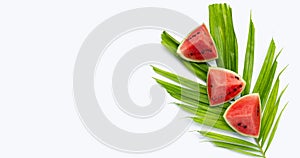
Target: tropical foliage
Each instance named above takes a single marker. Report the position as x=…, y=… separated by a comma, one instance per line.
x=193, y=95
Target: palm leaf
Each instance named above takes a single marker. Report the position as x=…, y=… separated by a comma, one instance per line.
x=198, y=112
x=228, y=139
x=267, y=82
x=181, y=80
x=212, y=123
x=264, y=93
x=193, y=95
x=222, y=31
x=243, y=152
x=268, y=111
x=265, y=70
x=234, y=146
x=275, y=128
x=249, y=58
x=232, y=143
x=212, y=117
x=271, y=110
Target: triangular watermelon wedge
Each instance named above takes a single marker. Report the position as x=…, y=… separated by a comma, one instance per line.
x=244, y=115
x=223, y=85
x=198, y=46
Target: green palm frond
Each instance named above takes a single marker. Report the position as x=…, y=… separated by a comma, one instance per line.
x=248, y=64
x=193, y=95
x=232, y=143
x=195, y=102
x=181, y=80
x=222, y=31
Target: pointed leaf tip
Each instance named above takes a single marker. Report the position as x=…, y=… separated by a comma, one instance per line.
x=278, y=54
x=282, y=70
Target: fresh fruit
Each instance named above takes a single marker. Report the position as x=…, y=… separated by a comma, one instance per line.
x=223, y=85
x=198, y=46
x=244, y=115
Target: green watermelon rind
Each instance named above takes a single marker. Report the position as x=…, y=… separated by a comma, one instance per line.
x=191, y=60
x=225, y=113
x=243, y=81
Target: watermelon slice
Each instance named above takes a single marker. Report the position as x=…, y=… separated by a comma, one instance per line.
x=198, y=46
x=244, y=115
x=223, y=85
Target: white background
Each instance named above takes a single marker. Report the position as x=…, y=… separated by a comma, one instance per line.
x=39, y=42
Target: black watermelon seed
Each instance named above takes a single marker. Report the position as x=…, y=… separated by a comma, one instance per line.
x=237, y=77
x=245, y=126
x=205, y=50
x=234, y=89
x=239, y=124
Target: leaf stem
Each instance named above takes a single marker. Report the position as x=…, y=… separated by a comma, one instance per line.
x=260, y=148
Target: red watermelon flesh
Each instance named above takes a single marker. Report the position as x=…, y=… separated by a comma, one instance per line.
x=223, y=85
x=198, y=46
x=244, y=115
